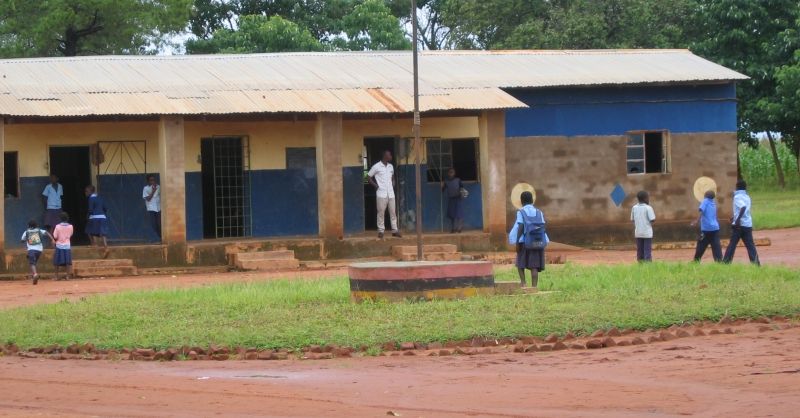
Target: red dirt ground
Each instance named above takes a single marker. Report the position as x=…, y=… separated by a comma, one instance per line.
x=748, y=374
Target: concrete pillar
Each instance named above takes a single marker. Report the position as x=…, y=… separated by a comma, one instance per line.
x=330, y=189
x=3, y=200
x=172, y=170
x=492, y=130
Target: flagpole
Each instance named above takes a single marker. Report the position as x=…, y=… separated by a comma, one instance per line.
x=417, y=139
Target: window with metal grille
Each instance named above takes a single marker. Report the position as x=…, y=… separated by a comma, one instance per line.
x=11, y=174
x=647, y=152
x=459, y=154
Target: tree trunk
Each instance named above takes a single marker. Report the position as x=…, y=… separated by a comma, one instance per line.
x=778, y=167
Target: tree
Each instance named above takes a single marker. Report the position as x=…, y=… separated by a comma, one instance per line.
x=309, y=25
x=788, y=109
x=566, y=24
x=82, y=27
x=756, y=38
x=371, y=26
x=256, y=34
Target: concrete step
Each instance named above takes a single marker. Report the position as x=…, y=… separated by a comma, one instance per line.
x=432, y=256
x=267, y=265
x=104, y=268
x=403, y=250
x=114, y=262
x=263, y=255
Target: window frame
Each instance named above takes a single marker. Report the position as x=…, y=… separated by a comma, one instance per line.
x=666, y=151
x=19, y=190
x=476, y=147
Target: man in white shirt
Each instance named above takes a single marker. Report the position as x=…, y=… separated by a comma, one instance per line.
x=152, y=199
x=643, y=216
x=741, y=225
x=51, y=196
x=381, y=177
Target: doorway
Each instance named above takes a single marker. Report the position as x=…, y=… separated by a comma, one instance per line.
x=373, y=152
x=225, y=175
x=73, y=167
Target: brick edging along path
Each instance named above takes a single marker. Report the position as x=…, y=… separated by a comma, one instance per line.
x=602, y=338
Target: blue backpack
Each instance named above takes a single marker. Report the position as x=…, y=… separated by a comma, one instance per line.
x=534, y=237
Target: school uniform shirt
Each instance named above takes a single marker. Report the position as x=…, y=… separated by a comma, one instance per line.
x=97, y=208
x=643, y=216
x=154, y=205
x=742, y=200
x=708, y=215
x=383, y=176
x=31, y=241
x=530, y=211
x=53, y=195
x=62, y=233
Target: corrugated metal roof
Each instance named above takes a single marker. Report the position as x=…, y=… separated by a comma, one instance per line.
x=348, y=82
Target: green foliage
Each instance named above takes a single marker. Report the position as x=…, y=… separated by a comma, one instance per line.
x=371, y=26
x=758, y=166
x=87, y=27
x=257, y=34
x=290, y=314
x=565, y=24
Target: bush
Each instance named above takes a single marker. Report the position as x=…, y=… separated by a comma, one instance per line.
x=758, y=166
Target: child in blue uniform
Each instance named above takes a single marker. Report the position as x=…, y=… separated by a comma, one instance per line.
x=709, y=228
x=33, y=237
x=97, y=226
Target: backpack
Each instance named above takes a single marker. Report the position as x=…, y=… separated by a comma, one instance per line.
x=534, y=236
x=33, y=237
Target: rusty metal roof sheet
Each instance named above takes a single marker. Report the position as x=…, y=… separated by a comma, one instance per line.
x=348, y=82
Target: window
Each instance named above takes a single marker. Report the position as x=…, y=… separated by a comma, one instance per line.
x=648, y=153
x=11, y=174
x=460, y=154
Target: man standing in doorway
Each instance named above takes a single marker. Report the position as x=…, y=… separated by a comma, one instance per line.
x=381, y=177
x=152, y=200
x=51, y=197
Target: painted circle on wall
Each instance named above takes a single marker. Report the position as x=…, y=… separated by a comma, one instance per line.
x=702, y=185
x=517, y=190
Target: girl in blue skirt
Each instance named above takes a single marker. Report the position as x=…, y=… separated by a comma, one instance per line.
x=97, y=226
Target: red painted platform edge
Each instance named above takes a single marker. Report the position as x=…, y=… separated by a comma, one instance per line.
x=422, y=271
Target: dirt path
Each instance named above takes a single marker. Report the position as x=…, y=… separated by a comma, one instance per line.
x=748, y=374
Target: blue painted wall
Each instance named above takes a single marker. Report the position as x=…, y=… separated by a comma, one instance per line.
x=434, y=203
x=616, y=110
x=284, y=203
x=128, y=222
x=127, y=214
x=353, y=199
x=194, y=205
x=20, y=210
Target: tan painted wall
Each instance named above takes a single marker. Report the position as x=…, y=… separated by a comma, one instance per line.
x=356, y=130
x=32, y=141
x=573, y=176
x=268, y=140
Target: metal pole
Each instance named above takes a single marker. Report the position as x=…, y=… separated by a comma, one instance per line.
x=417, y=139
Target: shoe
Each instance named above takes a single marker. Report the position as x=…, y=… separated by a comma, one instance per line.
x=35, y=279
x=396, y=234
x=380, y=235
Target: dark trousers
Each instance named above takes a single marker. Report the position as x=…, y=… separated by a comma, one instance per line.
x=746, y=235
x=155, y=221
x=708, y=238
x=644, y=249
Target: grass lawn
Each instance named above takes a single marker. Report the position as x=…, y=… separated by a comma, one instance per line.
x=776, y=209
x=292, y=314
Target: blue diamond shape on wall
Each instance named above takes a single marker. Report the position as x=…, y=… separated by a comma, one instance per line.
x=618, y=194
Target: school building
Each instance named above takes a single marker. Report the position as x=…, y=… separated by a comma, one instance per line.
x=276, y=146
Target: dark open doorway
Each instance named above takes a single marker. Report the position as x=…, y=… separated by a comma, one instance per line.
x=72, y=165
x=375, y=147
x=226, y=187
